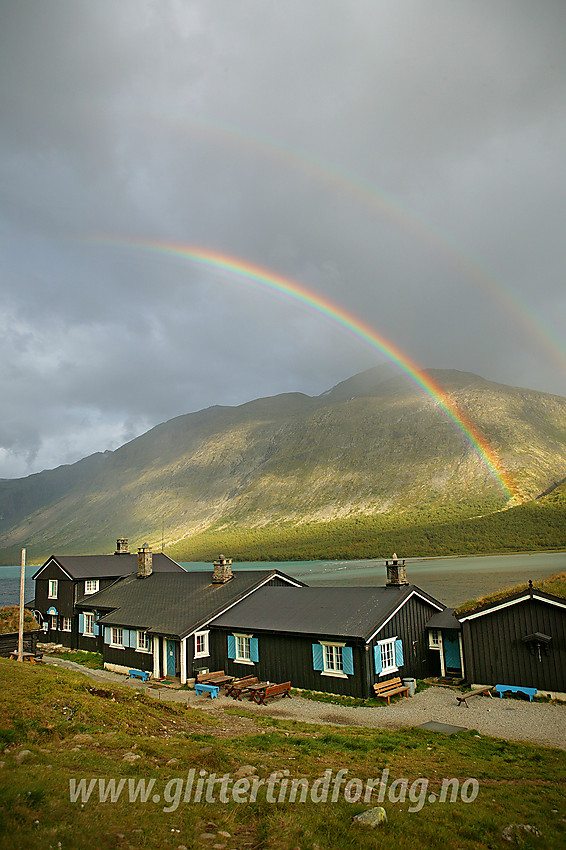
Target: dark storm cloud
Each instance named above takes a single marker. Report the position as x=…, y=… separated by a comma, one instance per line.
x=403, y=159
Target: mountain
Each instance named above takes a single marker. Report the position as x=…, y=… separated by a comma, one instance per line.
x=372, y=446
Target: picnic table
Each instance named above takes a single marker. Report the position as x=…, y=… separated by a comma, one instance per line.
x=261, y=692
x=238, y=686
x=26, y=656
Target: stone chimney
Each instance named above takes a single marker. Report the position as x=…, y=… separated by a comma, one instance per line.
x=122, y=546
x=396, y=573
x=145, y=568
x=222, y=570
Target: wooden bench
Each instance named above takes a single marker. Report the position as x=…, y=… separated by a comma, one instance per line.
x=478, y=692
x=207, y=688
x=390, y=688
x=139, y=674
x=516, y=689
x=260, y=694
x=238, y=686
x=217, y=677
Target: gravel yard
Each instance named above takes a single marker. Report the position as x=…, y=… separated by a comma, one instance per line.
x=515, y=719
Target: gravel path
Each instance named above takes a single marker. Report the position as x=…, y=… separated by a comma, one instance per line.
x=514, y=719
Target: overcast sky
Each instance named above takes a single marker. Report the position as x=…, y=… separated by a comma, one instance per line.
x=404, y=159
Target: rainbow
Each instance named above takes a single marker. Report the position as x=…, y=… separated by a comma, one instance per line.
x=283, y=286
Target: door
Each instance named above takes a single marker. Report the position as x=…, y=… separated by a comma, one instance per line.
x=451, y=645
x=171, y=657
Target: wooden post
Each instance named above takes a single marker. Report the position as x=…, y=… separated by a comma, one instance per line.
x=22, y=592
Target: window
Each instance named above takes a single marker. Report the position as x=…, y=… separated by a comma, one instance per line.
x=201, y=644
x=333, y=658
x=388, y=655
x=242, y=648
x=53, y=587
x=54, y=622
x=434, y=638
x=89, y=625
x=117, y=637
x=66, y=624
x=91, y=586
x=144, y=642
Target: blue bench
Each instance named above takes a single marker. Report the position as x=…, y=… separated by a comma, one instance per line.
x=516, y=689
x=201, y=687
x=139, y=674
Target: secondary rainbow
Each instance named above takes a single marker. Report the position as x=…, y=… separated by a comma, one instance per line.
x=294, y=291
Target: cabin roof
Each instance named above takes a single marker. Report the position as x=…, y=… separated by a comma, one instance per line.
x=550, y=588
x=107, y=566
x=355, y=612
x=444, y=620
x=174, y=603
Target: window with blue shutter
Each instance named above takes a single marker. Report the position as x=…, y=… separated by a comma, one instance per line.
x=317, y=657
x=399, y=653
x=231, y=647
x=254, y=650
x=348, y=660
x=378, y=664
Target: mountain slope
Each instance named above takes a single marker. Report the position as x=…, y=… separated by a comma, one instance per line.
x=372, y=445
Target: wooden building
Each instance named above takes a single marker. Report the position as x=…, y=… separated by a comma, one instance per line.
x=64, y=581
x=517, y=639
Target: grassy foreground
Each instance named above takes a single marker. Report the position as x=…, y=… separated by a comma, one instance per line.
x=76, y=729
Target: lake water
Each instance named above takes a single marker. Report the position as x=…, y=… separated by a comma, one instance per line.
x=451, y=580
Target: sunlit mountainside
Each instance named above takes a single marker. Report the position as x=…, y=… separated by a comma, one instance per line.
x=371, y=455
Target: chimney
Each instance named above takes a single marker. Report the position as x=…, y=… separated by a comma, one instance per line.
x=222, y=570
x=396, y=573
x=122, y=546
x=145, y=568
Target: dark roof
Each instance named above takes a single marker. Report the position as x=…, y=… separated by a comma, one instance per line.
x=336, y=611
x=510, y=599
x=444, y=620
x=173, y=603
x=107, y=566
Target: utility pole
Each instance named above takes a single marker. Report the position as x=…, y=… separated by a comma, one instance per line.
x=22, y=592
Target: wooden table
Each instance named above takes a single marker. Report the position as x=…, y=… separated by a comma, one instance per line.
x=253, y=689
x=27, y=656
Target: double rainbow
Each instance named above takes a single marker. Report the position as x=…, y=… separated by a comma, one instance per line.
x=337, y=314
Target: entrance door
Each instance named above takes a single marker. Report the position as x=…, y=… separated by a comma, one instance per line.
x=451, y=644
x=171, y=657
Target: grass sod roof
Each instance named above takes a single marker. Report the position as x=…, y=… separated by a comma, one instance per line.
x=555, y=585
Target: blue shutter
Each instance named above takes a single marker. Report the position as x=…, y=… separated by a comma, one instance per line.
x=348, y=660
x=377, y=659
x=96, y=629
x=81, y=623
x=317, y=657
x=125, y=637
x=254, y=650
x=231, y=647
x=107, y=634
x=399, y=653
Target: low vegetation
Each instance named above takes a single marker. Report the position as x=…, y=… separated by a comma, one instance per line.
x=58, y=727
x=553, y=584
x=10, y=620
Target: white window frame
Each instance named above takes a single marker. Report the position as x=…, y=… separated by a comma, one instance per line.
x=90, y=590
x=53, y=622
x=204, y=652
x=53, y=589
x=117, y=637
x=88, y=621
x=143, y=641
x=432, y=642
x=67, y=624
x=387, y=647
x=329, y=648
x=243, y=641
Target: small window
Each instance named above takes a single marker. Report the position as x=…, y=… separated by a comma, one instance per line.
x=144, y=642
x=117, y=637
x=201, y=644
x=89, y=625
x=53, y=588
x=333, y=658
x=389, y=656
x=434, y=638
x=91, y=586
x=54, y=622
x=243, y=648
x=66, y=624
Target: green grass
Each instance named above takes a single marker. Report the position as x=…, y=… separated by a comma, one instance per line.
x=93, y=660
x=44, y=709
x=10, y=620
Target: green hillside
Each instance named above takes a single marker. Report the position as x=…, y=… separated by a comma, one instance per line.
x=338, y=475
